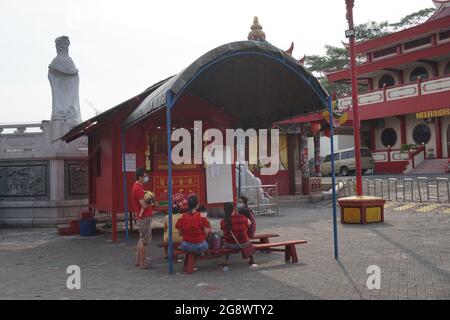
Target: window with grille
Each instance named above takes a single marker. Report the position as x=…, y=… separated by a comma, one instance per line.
x=417, y=43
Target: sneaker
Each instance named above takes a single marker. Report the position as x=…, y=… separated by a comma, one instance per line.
x=225, y=269
x=196, y=268
x=253, y=266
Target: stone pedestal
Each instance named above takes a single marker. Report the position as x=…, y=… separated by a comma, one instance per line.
x=41, y=180
x=362, y=210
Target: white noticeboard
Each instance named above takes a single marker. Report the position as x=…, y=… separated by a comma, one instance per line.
x=219, y=183
x=130, y=162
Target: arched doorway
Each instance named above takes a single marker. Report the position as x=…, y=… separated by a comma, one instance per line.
x=387, y=80
x=418, y=72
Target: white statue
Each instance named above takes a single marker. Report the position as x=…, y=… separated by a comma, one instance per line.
x=64, y=81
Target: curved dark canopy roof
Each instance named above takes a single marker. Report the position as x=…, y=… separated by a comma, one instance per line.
x=253, y=81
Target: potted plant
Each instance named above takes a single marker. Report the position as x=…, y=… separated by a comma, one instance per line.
x=408, y=147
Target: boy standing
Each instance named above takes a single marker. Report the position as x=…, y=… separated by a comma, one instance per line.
x=144, y=212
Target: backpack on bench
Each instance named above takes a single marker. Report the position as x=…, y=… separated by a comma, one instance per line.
x=214, y=240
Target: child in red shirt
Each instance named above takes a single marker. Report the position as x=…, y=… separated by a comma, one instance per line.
x=144, y=211
x=194, y=228
x=235, y=232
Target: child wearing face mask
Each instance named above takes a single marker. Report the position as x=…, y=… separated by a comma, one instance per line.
x=241, y=204
x=144, y=210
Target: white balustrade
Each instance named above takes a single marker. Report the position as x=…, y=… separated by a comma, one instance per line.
x=21, y=137
x=380, y=156
x=411, y=90
x=399, y=155
x=398, y=92
x=433, y=86
x=369, y=98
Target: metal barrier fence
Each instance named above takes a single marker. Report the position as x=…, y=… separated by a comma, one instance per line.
x=417, y=189
x=263, y=200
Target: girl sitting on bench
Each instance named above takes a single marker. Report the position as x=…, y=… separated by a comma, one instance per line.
x=235, y=227
x=176, y=237
x=194, y=229
x=243, y=203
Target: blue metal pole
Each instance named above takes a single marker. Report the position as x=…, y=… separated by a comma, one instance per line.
x=333, y=180
x=169, y=102
x=125, y=196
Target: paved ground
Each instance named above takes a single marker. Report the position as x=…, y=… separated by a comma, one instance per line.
x=412, y=249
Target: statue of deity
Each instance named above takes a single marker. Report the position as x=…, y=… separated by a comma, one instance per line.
x=64, y=81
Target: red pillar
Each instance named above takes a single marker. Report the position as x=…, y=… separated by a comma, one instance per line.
x=370, y=84
x=402, y=129
x=436, y=69
x=373, y=142
x=438, y=137
x=356, y=122
x=317, y=157
x=433, y=40
x=304, y=159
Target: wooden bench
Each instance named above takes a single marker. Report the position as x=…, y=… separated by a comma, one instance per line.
x=289, y=250
x=256, y=239
x=165, y=246
x=263, y=238
x=290, y=253
x=189, y=258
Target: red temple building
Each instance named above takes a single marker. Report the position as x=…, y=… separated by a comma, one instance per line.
x=243, y=84
x=405, y=112
x=407, y=74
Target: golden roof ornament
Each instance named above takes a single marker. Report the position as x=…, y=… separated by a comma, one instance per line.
x=256, y=34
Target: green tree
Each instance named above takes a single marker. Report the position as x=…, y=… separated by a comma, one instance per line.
x=334, y=59
x=371, y=30
x=413, y=19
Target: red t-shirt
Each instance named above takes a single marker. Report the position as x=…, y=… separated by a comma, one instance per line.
x=192, y=226
x=239, y=225
x=252, y=227
x=138, y=194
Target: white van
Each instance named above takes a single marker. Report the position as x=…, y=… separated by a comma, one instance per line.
x=344, y=162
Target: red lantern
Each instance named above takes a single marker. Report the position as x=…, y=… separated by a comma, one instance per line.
x=315, y=127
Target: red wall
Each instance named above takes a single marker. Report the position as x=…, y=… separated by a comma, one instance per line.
x=103, y=183
x=281, y=178
x=390, y=167
x=108, y=190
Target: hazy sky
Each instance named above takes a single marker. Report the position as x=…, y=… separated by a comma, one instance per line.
x=123, y=47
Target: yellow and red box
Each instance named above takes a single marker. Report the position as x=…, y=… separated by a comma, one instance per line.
x=362, y=209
